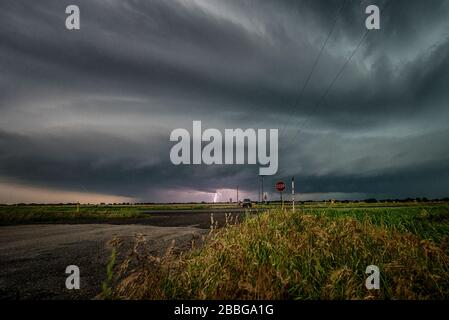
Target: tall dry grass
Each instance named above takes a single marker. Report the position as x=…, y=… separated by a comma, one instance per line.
x=285, y=255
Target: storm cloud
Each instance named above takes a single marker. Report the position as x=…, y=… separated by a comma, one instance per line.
x=91, y=110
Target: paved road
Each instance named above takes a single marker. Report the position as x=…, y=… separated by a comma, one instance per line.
x=33, y=258
x=175, y=218
x=197, y=218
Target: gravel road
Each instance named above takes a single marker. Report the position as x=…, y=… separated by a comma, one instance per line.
x=33, y=258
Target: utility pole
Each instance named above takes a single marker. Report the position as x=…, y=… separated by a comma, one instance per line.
x=293, y=194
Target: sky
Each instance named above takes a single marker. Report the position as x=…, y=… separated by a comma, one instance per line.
x=86, y=115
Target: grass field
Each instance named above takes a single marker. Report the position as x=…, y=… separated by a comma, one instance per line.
x=314, y=253
x=28, y=214
x=319, y=252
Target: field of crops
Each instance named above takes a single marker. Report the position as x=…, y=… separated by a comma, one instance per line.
x=314, y=253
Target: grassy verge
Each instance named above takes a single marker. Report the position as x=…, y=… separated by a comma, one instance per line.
x=312, y=254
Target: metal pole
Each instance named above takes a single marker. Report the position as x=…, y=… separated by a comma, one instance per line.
x=293, y=194
x=262, y=190
x=282, y=202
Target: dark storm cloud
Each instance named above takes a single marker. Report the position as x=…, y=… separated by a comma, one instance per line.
x=92, y=110
x=98, y=163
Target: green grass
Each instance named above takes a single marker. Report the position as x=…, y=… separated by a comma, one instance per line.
x=10, y=215
x=427, y=222
x=28, y=214
x=315, y=253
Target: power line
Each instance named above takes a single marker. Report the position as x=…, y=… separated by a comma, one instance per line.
x=329, y=88
x=340, y=72
x=317, y=58
x=315, y=63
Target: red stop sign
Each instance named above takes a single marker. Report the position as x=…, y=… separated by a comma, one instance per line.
x=280, y=186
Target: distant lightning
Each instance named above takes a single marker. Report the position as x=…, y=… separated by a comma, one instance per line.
x=216, y=196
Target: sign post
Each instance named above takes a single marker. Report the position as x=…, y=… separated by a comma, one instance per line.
x=280, y=186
